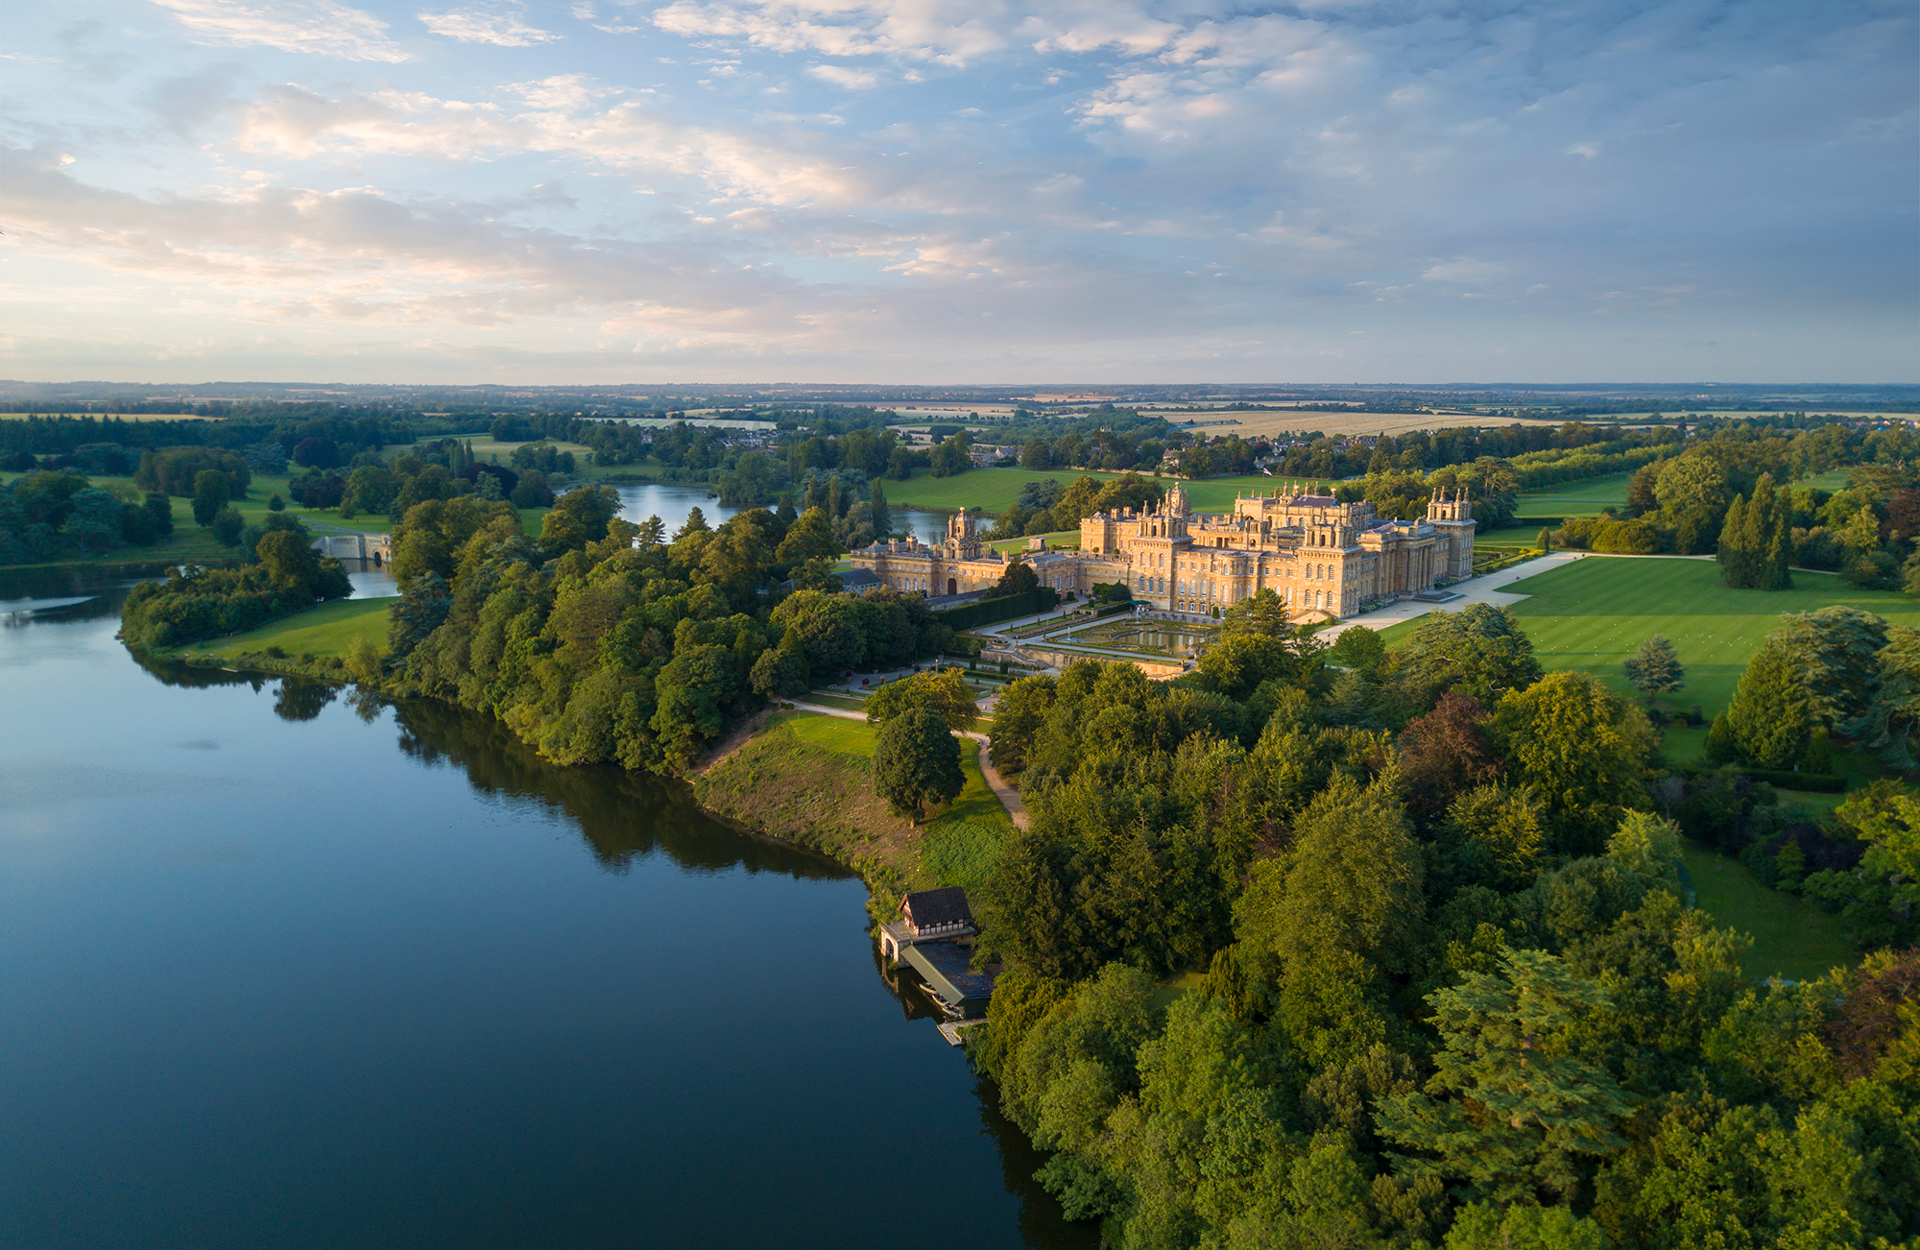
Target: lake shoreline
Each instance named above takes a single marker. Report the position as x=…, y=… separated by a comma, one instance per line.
x=713, y=784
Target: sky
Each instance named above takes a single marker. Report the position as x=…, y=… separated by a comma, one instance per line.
x=905, y=191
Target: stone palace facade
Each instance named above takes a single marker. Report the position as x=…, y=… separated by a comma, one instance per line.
x=1324, y=558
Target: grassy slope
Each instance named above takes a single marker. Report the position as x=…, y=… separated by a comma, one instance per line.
x=808, y=778
x=1791, y=938
x=1591, y=614
x=327, y=630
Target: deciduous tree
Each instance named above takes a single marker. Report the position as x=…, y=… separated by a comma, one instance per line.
x=916, y=763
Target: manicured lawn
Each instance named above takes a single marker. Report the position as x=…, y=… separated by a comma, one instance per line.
x=986, y=490
x=994, y=490
x=323, y=631
x=1069, y=539
x=845, y=702
x=1593, y=613
x=1791, y=938
x=1575, y=498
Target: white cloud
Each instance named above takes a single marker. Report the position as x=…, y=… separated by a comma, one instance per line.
x=321, y=27
x=845, y=76
x=914, y=29
x=557, y=116
x=500, y=29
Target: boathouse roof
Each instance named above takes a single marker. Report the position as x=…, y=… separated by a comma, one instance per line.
x=934, y=907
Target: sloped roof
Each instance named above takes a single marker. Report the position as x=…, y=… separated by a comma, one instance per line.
x=943, y=906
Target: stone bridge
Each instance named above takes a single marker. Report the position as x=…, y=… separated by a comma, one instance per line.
x=375, y=547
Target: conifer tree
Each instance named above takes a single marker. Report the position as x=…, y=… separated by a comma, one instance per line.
x=1779, y=552
x=1771, y=719
x=1733, y=554
x=882, y=515
x=1545, y=539
x=1512, y=1106
x=1654, y=668
x=1767, y=545
x=1756, y=530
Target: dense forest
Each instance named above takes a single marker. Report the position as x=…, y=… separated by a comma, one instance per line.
x=1452, y=994
x=608, y=641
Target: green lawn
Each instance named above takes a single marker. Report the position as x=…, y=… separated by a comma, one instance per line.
x=1593, y=613
x=833, y=733
x=1831, y=480
x=1791, y=938
x=1574, y=498
x=960, y=845
x=994, y=490
x=1069, y=539
x=983, y=490
x=327, y=630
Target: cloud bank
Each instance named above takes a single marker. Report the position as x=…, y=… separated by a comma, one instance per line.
x=909, y=190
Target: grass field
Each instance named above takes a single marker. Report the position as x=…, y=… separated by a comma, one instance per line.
x=1791, y=938
x=1593, y=613
x=1575, y=498
x=994, y=490
x=189, y=543
x=327, y=630
x=1068, y=539
x=960, y=845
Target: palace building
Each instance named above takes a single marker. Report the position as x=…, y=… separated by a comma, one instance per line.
x=1324, y=558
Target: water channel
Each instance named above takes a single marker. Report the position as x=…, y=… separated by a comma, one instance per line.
x=284, y=967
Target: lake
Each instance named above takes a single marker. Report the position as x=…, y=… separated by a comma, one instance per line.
x=672, y=501
x=286, y=967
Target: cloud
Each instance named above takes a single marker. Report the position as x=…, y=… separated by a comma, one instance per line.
x=560, y=116
x=912, y=29
x=1178, y=176
x=500, y=29
x=845, y=76
x=320, y=27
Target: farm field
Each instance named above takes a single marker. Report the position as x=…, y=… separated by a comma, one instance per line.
x=1792, y=938
x=327, y=630
x=123, y=416
x=1336, y=424
x=1591, y=614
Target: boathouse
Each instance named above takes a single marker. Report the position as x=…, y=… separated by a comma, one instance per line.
x=928, y=916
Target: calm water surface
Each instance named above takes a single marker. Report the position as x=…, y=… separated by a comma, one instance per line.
x=283, y=968
x=672, y=501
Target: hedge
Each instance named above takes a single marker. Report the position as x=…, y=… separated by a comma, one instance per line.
x=1005, y=608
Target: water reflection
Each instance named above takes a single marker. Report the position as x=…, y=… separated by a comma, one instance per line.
x=621, y=815
x=672, y=501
